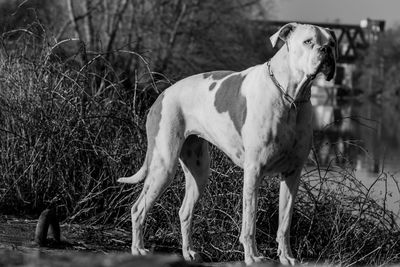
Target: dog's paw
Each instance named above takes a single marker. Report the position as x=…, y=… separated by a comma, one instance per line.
x=140, y=251
x=286, y=260
x=249, y=260
x=191, y=255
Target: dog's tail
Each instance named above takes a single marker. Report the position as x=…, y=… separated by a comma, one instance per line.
x=136, y=178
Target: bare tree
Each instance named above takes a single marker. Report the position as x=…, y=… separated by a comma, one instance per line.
x=175, y=37
x=73, y=18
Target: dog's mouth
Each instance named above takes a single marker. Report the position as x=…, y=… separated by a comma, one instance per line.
x=327, y=67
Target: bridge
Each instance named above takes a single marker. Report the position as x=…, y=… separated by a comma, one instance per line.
x=352, y=38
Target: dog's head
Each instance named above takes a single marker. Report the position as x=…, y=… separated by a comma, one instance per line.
x=311, y=49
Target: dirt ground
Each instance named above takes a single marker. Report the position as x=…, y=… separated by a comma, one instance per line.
x=15, y=232
x=81, y=246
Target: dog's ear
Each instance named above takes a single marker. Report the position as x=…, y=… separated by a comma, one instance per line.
x=282, y=34
x=332, y=33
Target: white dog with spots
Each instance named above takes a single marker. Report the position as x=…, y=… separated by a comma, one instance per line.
x=260, y=117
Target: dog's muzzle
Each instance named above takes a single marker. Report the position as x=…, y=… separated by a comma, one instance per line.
x=328, y=64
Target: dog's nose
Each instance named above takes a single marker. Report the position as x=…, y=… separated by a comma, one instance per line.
x=324, y=49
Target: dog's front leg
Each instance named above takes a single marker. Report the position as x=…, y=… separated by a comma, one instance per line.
x=287, y=195
x=250, y=194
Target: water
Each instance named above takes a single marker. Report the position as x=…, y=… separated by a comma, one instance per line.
x=364, y=136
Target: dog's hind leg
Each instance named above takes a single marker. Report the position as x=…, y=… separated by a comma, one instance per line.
x=195, y=161
x=164, y=129
x=159, y=175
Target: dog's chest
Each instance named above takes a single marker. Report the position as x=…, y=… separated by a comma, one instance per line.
x=285, y=144
x=283, y=140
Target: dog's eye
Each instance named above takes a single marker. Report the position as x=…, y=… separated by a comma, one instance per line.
x=308, y=42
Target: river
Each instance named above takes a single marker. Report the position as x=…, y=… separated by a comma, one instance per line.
x=364, y=136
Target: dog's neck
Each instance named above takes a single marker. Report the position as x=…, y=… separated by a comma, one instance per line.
x=295, y=83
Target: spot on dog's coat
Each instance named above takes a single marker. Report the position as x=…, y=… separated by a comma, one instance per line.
x=199, y=151
x=217, y=75
x=212, y=86
x=153, y=126
x=289, y=173
x=229, y=99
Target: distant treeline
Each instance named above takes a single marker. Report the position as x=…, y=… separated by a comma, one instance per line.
x=378, y=69
x=177, y=38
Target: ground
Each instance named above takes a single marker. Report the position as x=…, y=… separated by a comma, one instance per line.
x=81, y=246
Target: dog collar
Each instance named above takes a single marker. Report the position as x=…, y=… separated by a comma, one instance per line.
x=285, y=94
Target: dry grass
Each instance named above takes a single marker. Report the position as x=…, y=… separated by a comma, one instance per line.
x=69, y=129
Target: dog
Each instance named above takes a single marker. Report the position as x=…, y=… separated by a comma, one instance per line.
x=260, y=117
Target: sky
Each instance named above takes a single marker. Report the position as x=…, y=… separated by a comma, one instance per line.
x=347, y=11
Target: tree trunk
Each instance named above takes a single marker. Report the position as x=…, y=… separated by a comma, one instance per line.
x=73, y=18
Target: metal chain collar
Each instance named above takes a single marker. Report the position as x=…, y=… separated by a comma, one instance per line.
x=287, y=97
